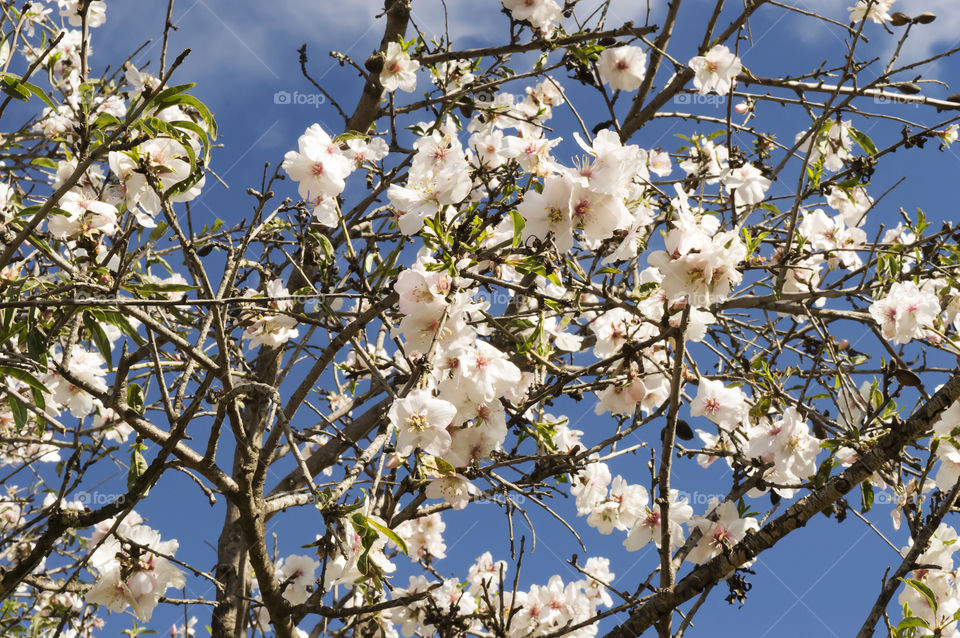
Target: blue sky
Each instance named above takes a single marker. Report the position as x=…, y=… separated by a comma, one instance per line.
x=821, y=580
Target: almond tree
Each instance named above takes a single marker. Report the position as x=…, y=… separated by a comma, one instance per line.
x=399, y=321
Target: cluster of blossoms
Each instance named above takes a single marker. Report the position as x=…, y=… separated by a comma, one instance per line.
x=138, y=176
x=932, y=593
x=455, y=417
x=948, y=449
x=322, y=165
x=908, y=312
x=344, y=559
x=616, y=504
x=783, y=446
x=709, y=162
x=133, y=566
x=539, y=611
x=624, y=68
x=700, y=264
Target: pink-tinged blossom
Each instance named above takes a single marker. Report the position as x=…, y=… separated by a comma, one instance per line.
x=943, y=587
x=439, y=177
x=609, y=166
x=788, y=445
x=399, y=70
x=621, y=508
x=140, y=580
x=362, y=151
x=473, y=443
x=648, y=526
x=832, y=143
x=597, y=215
x=423, y=292
x=485, y=574
x=830, y=234
x=319, y=168
x=87, y=367
x=96, y=12
x=906, y=313
x=852, y=204
x=85, y=215
x=424, y=536
x=455, y=490
x=297, y=574
x=706, y=160
x=549, y=212
x=727, y=407
x=716, y=71
x=543, y=15
x=589, y=486
x=421, y=422
x=622, y=68
x=747, y=184
x=722, y=534
x=268, y=328
x=487, y=373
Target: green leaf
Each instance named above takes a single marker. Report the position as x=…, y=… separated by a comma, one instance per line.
x=105, y=120
x=912, y=621
x=99, y=338
x=519, y=223
x=19, y=410
x=170, y=92
x=16, y=91
x=45, y=162
x=863, y=141
x=135, y=398
x=116, y=319
x=389, y=533
x=189, y=100
x=923, y=589
x=21, y=89
x=24, y=376
x=138, y=466
x=866, y=497
x=155, y=289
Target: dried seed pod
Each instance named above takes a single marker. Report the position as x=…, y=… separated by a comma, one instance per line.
x=909, y=88
x=374, y=63
x=907, y=378
x=898, y=19
x=684, y=431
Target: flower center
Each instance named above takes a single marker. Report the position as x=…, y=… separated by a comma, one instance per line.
x=416, y=423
